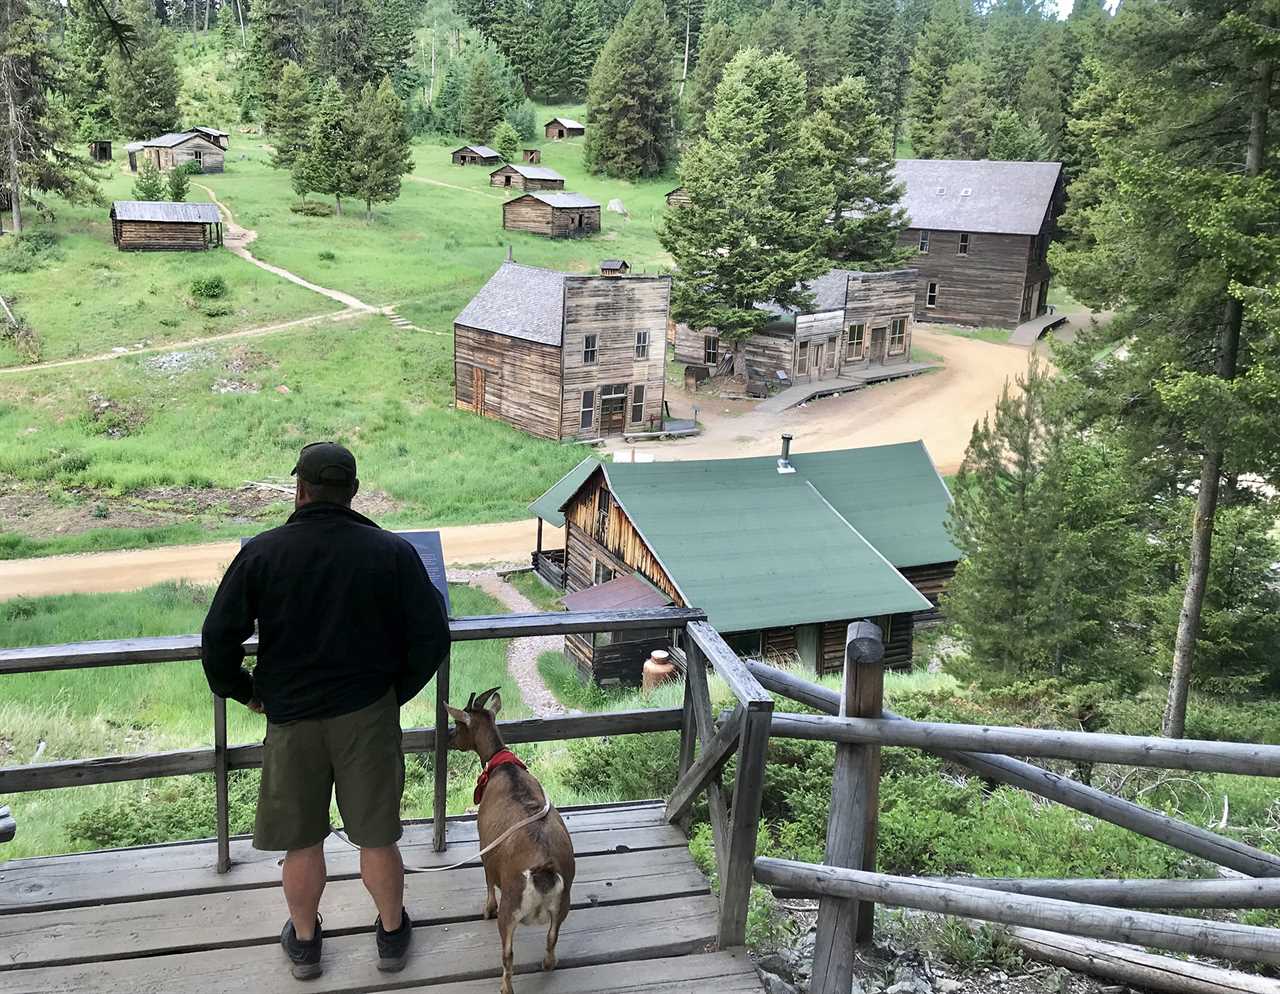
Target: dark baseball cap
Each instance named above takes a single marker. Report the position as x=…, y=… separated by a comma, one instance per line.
x=326, y=462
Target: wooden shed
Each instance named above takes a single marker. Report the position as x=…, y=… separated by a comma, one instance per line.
x=559, y=215
x=525, y=177
x=6, y=199
x=532, y=155
x=563, y=127
x=161, y=226
x=476, y=155
x=678, y=197
x=100, y=151
x=220, y=138
x=177, y=149
x=614, y=267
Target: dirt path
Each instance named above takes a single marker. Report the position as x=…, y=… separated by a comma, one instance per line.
x=451, y=186
x=238, y=239
x=522, y=654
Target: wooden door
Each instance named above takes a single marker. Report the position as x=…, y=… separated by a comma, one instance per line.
x=879, y=338
x=613, y=415
x=817, y=358
x=478, y=384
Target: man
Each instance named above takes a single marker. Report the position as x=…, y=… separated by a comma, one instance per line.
x=349, y=628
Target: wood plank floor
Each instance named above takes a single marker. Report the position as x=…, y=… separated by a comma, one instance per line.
x=159, y=919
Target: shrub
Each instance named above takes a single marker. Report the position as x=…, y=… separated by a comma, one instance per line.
x=327, y=256
x=208, y=287
x=177, y=808
x=217, y=310
x=630, y=767
x=29, y=251
x=311, y=208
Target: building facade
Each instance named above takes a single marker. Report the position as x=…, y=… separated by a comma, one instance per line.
x=554, y=214
x=526, y=177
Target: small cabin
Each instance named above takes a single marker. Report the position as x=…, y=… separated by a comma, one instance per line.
x=557, y=215
x=100, y=151
x=220, y=138
x=174, y=149
x=678, y=197
x=532, y=155
x=476, y=155
x=153, y=225
x=563, y=127
x=614, y=267
x=6, y=199
x=525, y=177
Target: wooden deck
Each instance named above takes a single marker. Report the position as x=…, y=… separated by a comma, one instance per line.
x=159, y=919
x=1030, y=332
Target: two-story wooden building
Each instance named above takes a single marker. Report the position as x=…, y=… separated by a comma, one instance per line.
x=782, y=553
x=981, y=231
x=562, y=355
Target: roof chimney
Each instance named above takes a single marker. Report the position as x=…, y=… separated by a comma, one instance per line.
x=784, y=464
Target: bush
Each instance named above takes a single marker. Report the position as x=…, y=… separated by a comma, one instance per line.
x=217, y=310
x=208, y=287
x=311, y=208
x=160, y=811
x=327, y=256
x=630, y=767
x=29, y=251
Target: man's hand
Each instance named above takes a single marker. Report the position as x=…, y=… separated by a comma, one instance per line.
x=254, y=705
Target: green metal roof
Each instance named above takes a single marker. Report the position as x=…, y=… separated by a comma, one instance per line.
x=547, y=507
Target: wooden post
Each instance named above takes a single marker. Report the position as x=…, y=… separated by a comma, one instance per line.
x=440, y=802
x=222, y=816
x=538, y=548
x=688, y=741
x=748, y=794
x=696, y=681
x=851, y=823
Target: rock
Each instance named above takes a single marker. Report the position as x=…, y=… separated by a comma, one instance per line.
x=775, y=962
x=857, y=987
x=773, y=984
x=617, y=207
x=945, y=985
x=283, y=389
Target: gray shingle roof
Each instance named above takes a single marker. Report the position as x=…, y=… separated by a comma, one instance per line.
x=828, y=291
x=563, y=199
x=567, y=122
x=612, y=263
x=521, y=301
x=977, y=195
x=532, y=172
x=482, y=150
x=171, y=139
x=204, y=129
x=160, y=210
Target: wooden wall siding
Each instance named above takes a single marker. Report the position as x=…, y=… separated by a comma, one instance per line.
x=521, y=379
x=614, y=311
x=617, y=664
x=875, y=300
x=931, y=580
x=211, y=155
x=769, y=352
x=518, y=182
x=689, y=344
x=897, y=646
x=679, y=197
x=778, y=642
x=532, y=155
x=527, y=214
x=557, y=130
x=983, y=288
x=622, y=547
x=160, y=235
x=467, y=159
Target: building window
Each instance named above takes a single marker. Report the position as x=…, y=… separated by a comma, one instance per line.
x=802, y=358
x=637, y=403
x=198, y=156
x=831, y=353
x=857, y=339
x=602, y=518
x=964, y=244
x=924, y=243
x=931, y=298
x=589, y=350
x=642, y=344
x=897, y=336
x=603, y=574
x=588, y=409
x=711, y=350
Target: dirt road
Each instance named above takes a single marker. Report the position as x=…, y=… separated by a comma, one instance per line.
x=110, y=572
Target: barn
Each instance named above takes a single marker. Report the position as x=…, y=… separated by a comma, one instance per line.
x=563, y=355
x=563, y=127
x=745, y=538
x=526, y=177
x=476, y=155
x=138, y=225
x=178, y=149
x=559, y=215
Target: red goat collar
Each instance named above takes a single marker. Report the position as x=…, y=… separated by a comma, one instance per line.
x=502, y=757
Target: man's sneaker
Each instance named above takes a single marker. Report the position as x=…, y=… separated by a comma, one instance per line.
x=304, y=957
x=393, y=947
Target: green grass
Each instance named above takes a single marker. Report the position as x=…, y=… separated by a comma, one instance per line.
x=997, y=336
x=924, y=355
x=532, y=586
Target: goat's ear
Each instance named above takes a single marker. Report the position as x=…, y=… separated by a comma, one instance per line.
x=495, y=703
x=461, y=717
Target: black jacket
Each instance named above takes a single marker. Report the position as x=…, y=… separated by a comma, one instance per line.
x=344, y=609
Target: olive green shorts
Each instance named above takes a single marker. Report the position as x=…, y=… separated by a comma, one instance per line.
x=358, y=756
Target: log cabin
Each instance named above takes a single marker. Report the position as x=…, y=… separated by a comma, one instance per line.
x=857, y=321
x=563, y=127
x=177, y=149
x=981, y=233
x=100, y=151
x=563, y=355
x=142, y=225
x=614, y=267
x=531, y=155
x=679, y=197
x=476, y=155
x=220, y=138
x=556, y=214
x=782, y=553
x=525, y=177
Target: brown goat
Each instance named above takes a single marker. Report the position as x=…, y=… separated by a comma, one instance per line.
x=529, y=876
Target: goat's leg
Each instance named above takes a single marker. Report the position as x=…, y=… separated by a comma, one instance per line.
x=553, y=933
x=491, y=898
x=508, y=905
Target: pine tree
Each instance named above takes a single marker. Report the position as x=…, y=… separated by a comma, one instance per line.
x=446, y=109
x=228, y=33
x=482, y=101
x=945, y=42
x=757, y=203
x=554, y=75
x=149, y=185
x=327, y=159
x=177, y=184
x=86, y=49
x=777, y=29
x=865, y=211
x=143, y=84
x=718, y=46
x=290, y=117
x=380, y=146
x=589, y=37
x=392, y=44
x=630, y=99
x=963, y=122
x=507, y=141
x=1014, y=139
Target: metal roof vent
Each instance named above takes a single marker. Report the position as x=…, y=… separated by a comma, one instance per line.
x=784, y=464
x=941, y=190
x=967, y=191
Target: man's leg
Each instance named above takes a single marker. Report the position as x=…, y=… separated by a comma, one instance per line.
x=304, y=878
x=382, y=871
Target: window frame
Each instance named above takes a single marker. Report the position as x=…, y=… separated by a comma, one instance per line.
x=597, y=569
x=642, y=343
x=637, y=404
x=963, y=247
x=590, y=350
x=604, y=504
x=931, y=294
x=711, y=350
x=924, y=242
x=855, y=345
x=898, y=328
x=587, y=410
x=802, y=359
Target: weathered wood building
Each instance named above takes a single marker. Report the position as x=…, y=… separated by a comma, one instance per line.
x=781, y=553
x=525, y=177
x=556, y=214
x=138, y=225
x=220, y=138
x=561, y=355
x=614, y=267
x=981, y=230
x=563, y=127
x=100, y=151
x=679, y=197
x=476, y=155
x=857, y=321
x=531, y=155
x=178, y=149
